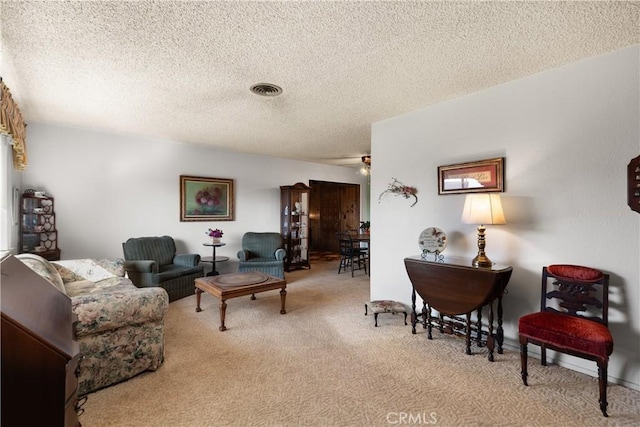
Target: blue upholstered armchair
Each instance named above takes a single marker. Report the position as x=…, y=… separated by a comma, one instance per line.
x=152, y=261
x=262, y=252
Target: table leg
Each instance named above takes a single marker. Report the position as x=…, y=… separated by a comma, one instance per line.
x=500, y=331
x=283, y=297
x=490, y=338
x=468, y=334
x=414, y=316
x=479, y=328
x=424, y=314
x=213, y=271
x=198, y=294
x=223, y=312
x=428, y=321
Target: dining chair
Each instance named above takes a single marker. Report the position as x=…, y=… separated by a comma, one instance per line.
x=573, y=319
x=351, y=255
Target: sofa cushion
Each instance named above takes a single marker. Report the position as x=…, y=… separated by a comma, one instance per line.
x=111, y=282
x=44, y=268
x=88, y=269
x=87, y=287
x=67, y=275
x=79, y=287
x=259, y=260
x=119, y=306
x=172, y=271
x=114, y=265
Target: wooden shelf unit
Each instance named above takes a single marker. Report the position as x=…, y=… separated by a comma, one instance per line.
x=294, y=217
x=38, y=227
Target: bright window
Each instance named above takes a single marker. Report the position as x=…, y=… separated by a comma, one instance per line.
x=7, y=193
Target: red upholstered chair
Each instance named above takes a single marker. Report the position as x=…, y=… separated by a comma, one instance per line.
x=572, y=319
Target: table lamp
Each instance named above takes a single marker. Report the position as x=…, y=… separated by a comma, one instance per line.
x=482, y=208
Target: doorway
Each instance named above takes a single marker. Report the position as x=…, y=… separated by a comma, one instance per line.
x=333, y=207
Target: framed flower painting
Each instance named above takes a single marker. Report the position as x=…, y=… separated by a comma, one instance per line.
x=206, y=199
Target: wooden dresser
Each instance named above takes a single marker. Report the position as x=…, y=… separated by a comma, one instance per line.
x=39, y=352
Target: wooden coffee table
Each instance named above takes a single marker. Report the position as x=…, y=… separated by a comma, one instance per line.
x=232, y=285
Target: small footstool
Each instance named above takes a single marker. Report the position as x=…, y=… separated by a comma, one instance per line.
x=385, y=306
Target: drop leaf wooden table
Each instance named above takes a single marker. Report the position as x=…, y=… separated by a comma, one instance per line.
x=455, y=288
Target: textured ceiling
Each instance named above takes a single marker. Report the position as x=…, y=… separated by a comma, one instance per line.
x=182, y=70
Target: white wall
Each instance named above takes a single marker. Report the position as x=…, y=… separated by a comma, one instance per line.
x=567, y=135
x=110, y=187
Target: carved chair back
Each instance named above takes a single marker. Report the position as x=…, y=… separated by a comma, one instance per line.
x=577, y=291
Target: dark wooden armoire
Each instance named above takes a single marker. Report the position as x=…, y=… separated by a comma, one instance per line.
x=333, y=207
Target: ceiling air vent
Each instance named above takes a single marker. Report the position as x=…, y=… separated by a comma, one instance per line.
x=266, y=89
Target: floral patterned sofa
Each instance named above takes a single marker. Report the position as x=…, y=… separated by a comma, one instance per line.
x=119, y=327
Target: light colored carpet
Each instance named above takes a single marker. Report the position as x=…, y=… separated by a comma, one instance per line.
x=325, y=364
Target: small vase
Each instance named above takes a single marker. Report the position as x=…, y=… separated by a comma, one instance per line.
x=215, y=240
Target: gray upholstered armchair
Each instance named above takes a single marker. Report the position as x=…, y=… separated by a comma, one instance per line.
x=152, y=261
x=262, y=252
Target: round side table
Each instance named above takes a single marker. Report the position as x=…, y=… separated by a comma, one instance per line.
x=214, y=258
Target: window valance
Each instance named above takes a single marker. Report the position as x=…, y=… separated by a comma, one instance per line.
x=11, y=123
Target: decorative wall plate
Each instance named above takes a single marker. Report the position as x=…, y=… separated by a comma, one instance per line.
x=432, y=240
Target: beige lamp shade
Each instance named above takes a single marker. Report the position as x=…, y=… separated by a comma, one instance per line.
x=483, y=208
